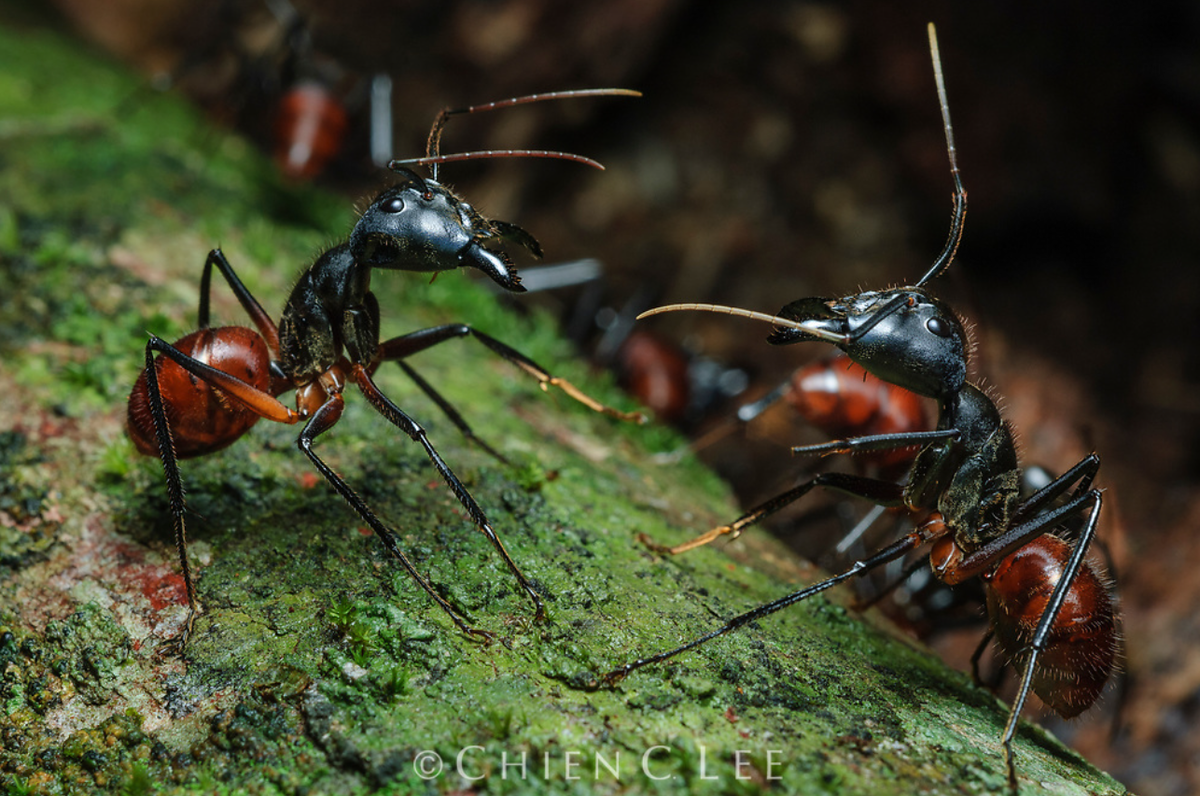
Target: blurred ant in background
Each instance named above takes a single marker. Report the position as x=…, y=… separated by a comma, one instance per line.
x=1049, y=608
x=205, y=391
x=264, y=75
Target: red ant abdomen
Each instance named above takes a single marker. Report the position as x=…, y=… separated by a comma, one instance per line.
x=310, y=126
x=1081, y=647
x=203, y=419
x=841, y=398
x=656, y=373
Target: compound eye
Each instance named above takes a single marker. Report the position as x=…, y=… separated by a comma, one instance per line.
x=938, y=326
x=395, y=205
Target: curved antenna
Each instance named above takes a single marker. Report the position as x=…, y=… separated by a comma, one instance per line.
x=787, y=323
x=484, y=154
x=960, y=195
x=433, y=143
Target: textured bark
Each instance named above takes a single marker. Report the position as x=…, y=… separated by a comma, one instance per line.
x=318, y=666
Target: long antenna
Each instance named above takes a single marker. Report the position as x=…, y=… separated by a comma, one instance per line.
x=787, y=323
x=433, y=155
x=960, y=195
x=484, y=154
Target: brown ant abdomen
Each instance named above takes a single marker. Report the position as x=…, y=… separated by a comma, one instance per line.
x=202, y=418
x=839, y=396
x=1081, y=647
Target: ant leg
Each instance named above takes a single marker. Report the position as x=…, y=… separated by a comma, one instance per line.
x=882, y=493
x=166, y=452
x=259, y=402
x=1084, y=472
x=1039, y=641
x=857, y=532
x=266, y=327
x=447, y=408
x=406, y=345
x=745, y=414
x=977, y=655
x=897, y=549
x=875, y=442
x=396, y=416
x=985, y=557
x=263, y=404
x=749, y=411
x=894, y=584
x=320, y=422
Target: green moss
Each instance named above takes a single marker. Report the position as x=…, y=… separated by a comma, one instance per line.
x=317, y=665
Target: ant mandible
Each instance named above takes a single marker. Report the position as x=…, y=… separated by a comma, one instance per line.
x=205, y=391
x=1049, y=610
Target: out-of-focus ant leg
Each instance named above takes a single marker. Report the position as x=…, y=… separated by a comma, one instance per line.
x=769, y=507
x=414, y=342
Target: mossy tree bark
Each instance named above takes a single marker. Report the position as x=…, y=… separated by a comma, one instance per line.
x=317, y=666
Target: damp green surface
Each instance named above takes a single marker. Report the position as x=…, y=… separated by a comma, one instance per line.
x=317, y=665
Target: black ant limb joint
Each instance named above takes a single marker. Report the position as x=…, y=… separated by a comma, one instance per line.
x=1049, y=609
x=209, y=388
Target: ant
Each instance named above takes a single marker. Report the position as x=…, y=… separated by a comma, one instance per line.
x=1049, y=610
x=205, y=391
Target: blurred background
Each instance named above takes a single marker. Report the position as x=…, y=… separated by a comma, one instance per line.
x=790, y=149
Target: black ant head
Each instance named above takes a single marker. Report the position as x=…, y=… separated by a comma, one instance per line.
x=420, y=225
x=904, y=336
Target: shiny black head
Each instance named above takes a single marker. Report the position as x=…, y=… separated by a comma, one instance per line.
x=420, y=225
x=903, y=336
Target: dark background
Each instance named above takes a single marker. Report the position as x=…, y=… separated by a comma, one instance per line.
x=793, y=149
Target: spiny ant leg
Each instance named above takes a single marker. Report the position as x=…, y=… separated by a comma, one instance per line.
x=320, y=422
x=263, y=404
x=266, y=327
x=453, y=414
x=398, y=418
x=422, y=339
x=166, y=452
x=897, y=549
x=985, y=557
x=883, y=493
